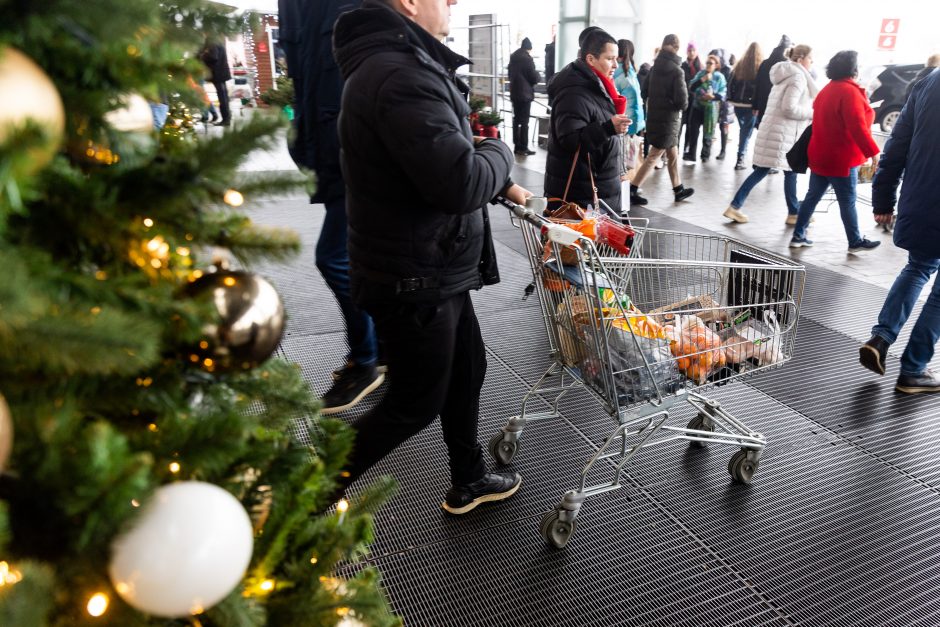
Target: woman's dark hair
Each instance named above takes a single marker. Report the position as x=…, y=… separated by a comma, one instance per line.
x=594, y=43
x=584, y=34
x=843, y=65
x=625, y=52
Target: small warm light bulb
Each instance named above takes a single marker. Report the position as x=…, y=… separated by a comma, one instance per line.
x=174, y=467
x=342, y=611
x=134, y=503
x=342, y=506
x=148, y=222
x=207, y=362
x=313, y=560
x=98, y=604
x=8, y=576
x=233, y=197
x=267, y=585
x=229, y=281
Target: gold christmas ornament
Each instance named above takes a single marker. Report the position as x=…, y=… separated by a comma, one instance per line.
x=6, y=432
x=250, y=320
x=134, y=117
x=28, y=94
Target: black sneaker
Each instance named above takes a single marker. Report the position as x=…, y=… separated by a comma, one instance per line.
x=380, y=366
x=739, y=164
x=494, y=486
x=720, y=156
x=872, y=354
x=352, y=385
x=922, y=383
x=682, y=192
x=636, y=199
x=864, y=246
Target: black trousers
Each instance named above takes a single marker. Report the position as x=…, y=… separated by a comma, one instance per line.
x=520, y=124
x=221, y=89
x=696, y=124
x=436, y=366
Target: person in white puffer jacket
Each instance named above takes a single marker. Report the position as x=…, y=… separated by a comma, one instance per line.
x=789, y=111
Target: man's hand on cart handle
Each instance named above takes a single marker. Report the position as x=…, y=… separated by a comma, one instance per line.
x=517, y=194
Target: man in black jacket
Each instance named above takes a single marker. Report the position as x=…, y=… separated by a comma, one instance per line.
x=306, y=36
x=216, y=59
x=523, y=77
x=419, y=237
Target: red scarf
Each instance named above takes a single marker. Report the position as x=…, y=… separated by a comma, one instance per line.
x=620, y=103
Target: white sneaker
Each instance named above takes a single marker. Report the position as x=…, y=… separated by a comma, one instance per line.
x=733, y=214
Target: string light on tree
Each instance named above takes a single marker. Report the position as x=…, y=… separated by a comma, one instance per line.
x=233, y=197
x=9, y=575
x=98, y=604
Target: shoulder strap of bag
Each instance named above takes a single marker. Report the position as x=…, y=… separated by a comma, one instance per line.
x=574, y=162
x=597, y=206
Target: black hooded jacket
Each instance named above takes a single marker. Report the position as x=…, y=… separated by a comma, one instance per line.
x=668, y=98
x=581, y=112
x=523, y=77
x=417, y=185
x=763, y=87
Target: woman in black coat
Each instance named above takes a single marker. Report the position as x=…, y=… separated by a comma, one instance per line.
x=585, y=116
x=668, y=98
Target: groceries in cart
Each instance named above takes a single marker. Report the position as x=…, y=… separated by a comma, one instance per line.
x=602, y=230
x=639, y=359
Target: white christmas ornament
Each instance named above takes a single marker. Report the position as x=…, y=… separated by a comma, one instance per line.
x=134, y=117
x=187, y=551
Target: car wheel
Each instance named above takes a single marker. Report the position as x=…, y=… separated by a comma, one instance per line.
x=888, y=119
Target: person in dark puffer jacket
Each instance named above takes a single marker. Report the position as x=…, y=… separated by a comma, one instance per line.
x=419, y=239
x=523, y=77
x=585, y=116
x=668, y=97
x=913, y=151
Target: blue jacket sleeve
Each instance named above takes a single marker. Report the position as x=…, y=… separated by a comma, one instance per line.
x=884, y=189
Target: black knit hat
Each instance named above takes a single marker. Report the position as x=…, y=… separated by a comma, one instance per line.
x=527, y=44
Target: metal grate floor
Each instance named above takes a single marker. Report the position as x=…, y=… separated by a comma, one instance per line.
x=841, y=525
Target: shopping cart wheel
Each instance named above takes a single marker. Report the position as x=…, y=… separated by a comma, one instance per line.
x=503, y=449
x=698, y=424
x=741, y=468
x=556, y=530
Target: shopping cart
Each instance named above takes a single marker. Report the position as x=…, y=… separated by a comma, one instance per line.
x=645, y=329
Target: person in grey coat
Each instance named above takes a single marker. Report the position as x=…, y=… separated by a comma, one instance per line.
x=668, y=98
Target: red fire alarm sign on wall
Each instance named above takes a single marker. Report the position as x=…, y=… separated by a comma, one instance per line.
x=889, y=34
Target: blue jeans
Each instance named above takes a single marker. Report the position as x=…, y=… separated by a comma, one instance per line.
x=844, y=187
x=897, y=309
x=746, y=120
x=333, y=263
x=789, y=188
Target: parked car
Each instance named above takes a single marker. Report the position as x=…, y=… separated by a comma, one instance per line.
x=889, y=88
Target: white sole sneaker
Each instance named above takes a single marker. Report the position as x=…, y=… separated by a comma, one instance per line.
x=734, y=215
x=327, y=411
x=486, y=498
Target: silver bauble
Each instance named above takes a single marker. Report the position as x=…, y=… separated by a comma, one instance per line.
x=250, y=320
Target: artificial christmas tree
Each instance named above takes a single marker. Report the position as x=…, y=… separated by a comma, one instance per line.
x=151, y=479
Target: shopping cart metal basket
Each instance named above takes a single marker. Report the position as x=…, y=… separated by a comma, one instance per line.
x=647, y=328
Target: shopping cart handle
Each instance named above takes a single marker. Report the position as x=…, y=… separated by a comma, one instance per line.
x=531, y=212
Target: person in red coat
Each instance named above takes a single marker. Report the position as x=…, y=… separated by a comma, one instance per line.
x=841, y=141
